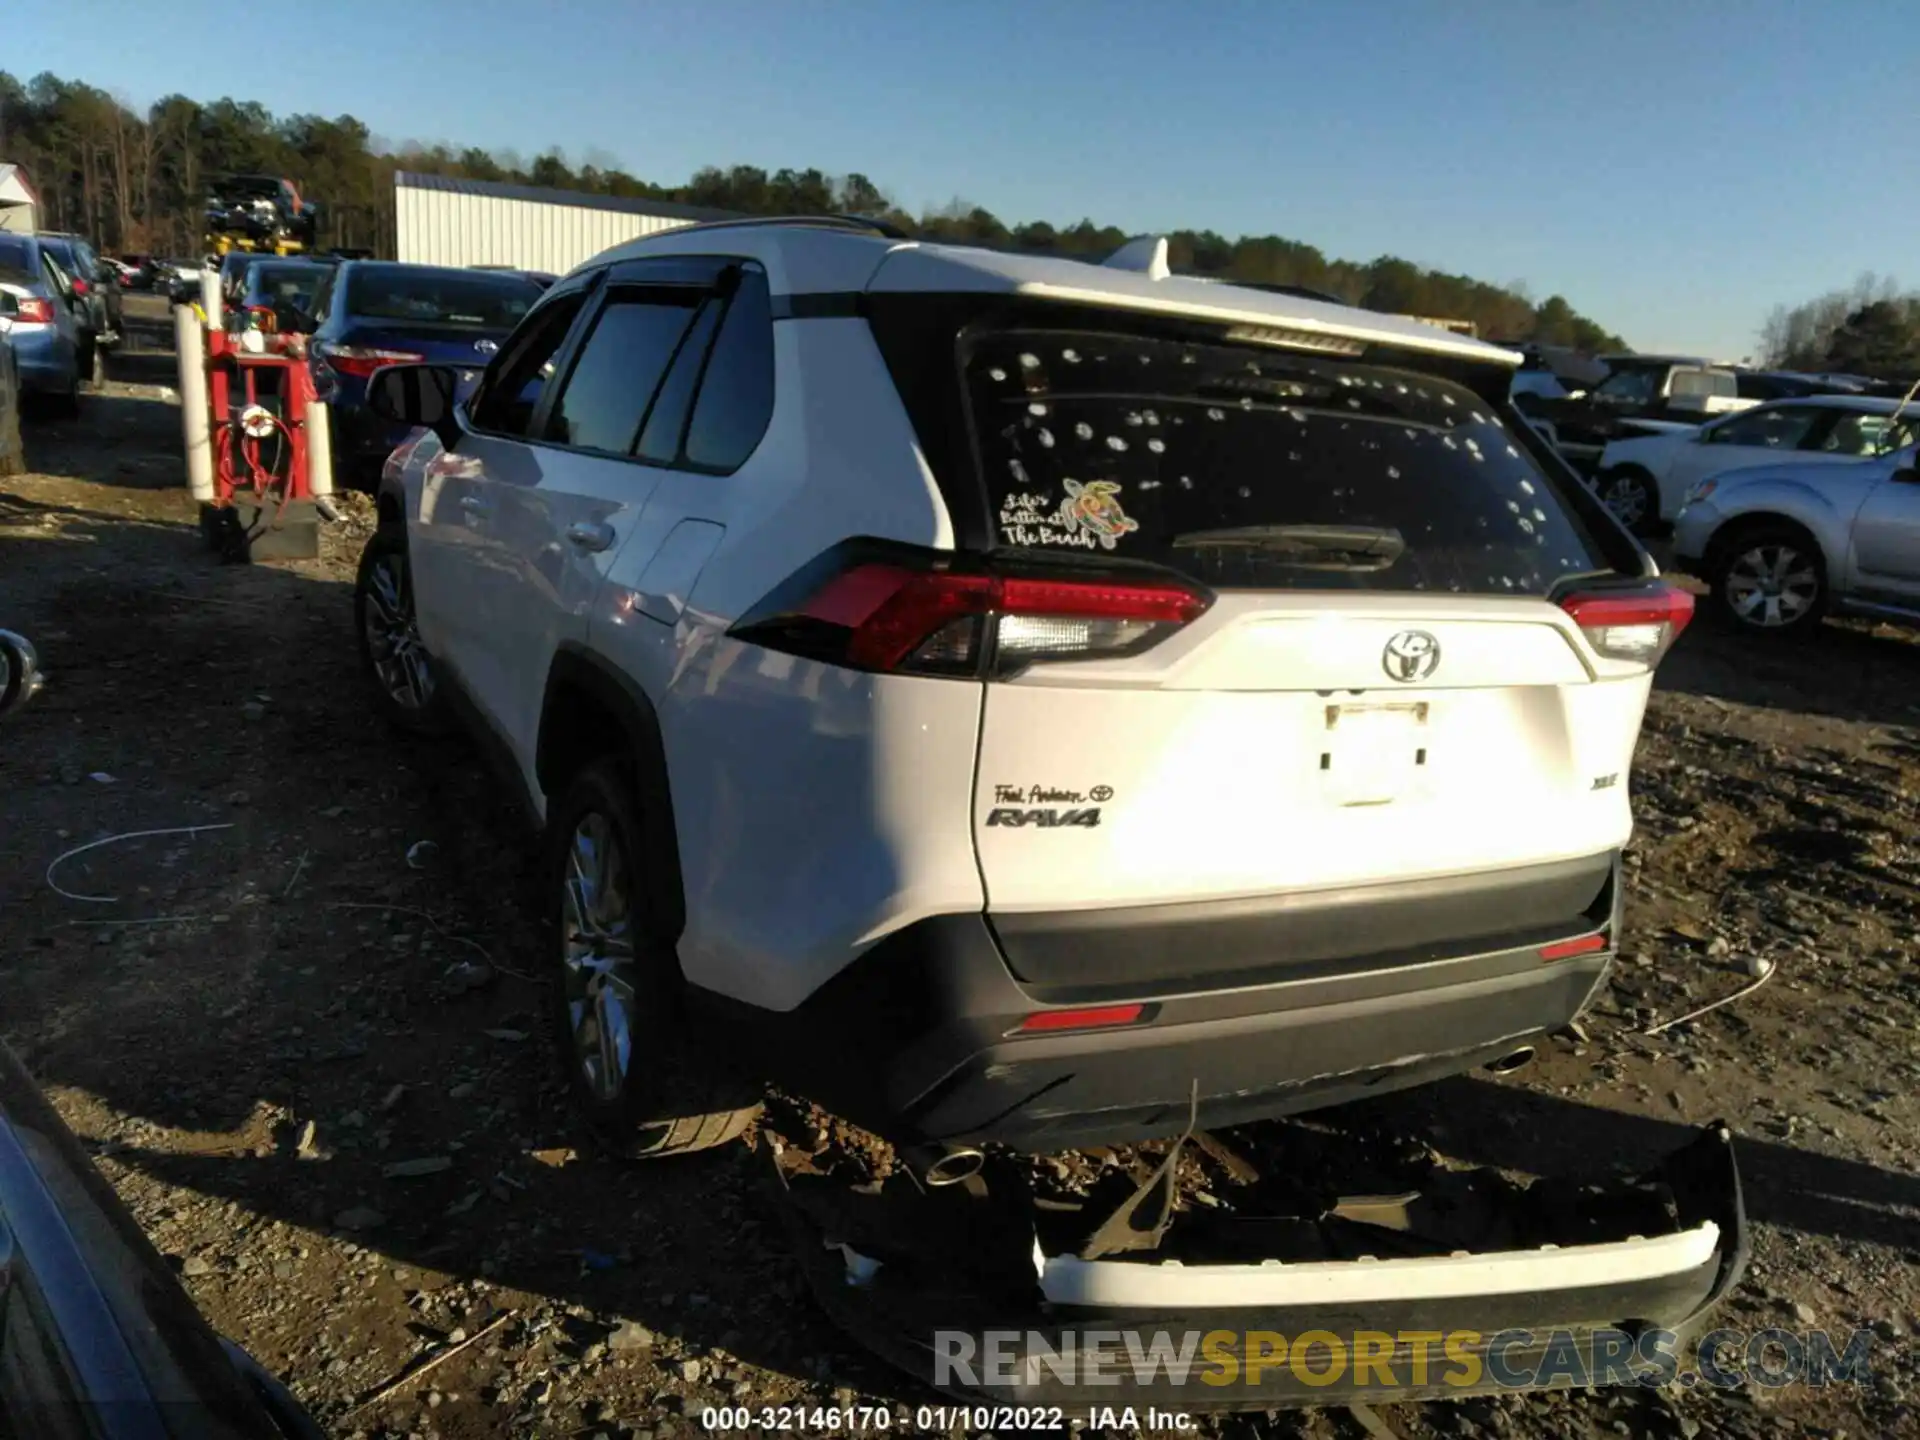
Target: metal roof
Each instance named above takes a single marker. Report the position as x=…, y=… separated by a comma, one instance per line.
x=579, y=199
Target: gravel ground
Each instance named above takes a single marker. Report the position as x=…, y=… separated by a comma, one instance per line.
x=314, y=1070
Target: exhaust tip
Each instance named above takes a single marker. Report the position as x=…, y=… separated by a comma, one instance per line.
x=1507, y=1064
x=961, y=1162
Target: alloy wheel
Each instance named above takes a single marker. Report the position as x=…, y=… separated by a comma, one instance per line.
x=1771, y=585
x=597, y=955
x=393, y=635
x=1626, y=497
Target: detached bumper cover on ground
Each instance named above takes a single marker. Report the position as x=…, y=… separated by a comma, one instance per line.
x=934, y=1282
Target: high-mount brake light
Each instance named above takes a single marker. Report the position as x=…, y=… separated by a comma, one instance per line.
x=923, y=619
x=1638, y=626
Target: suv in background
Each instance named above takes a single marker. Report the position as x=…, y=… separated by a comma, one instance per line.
x=102, y=315
x=1782, y=545
x=1641, y=394
x=921, y=672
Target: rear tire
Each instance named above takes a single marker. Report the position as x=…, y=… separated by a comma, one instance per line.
x=397, y=664
x=1769, y=579
x=618, y=1000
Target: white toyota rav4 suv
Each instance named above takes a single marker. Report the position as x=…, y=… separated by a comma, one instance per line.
x=1005, y=698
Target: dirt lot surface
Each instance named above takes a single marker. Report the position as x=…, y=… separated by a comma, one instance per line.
x=259, y=1019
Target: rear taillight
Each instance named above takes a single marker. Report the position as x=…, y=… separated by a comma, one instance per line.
x=360, y=361
x=35, y=311
x=1638, y=626
x=79, y=287
x=939, y=615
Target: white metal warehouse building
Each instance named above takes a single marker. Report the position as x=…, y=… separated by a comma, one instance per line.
x=439, y=220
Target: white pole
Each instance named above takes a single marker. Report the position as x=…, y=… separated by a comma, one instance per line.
x=189, y=347
x=319, y=450
x=210, y=300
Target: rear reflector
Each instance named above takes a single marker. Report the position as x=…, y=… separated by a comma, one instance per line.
x=1095, y=1019
x=931, y=616
x=1638, y=626
x=1567, y=949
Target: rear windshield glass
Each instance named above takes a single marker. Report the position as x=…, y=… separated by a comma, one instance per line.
x=16, y=254
x=1261, y=469
x=426, y=297
x=281, y=285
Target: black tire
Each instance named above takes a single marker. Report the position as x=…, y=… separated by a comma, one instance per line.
x=397, y=666
x=1770, y=569
x=657, y=1094
x=66, y=406
x=1630, y=493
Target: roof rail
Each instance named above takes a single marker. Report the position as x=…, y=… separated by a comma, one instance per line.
x=832, y=222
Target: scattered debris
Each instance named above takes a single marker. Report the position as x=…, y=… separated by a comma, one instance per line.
x=412, y=1169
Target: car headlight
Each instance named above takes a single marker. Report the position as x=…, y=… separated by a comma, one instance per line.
x=1702, y=490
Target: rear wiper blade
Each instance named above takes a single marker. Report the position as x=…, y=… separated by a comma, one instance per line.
x=1343, y=547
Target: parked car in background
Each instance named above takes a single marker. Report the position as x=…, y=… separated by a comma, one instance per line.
x=1782, y=545
x=1762, y=385
x=96, y=283
x=45, y=333
x=277, y=294
x=542, y=278
x=370, y=313
x=1641, y=394
x=1646, y=479
x=13, y=454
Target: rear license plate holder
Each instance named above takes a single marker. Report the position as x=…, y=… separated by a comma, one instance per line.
x=1371, y=753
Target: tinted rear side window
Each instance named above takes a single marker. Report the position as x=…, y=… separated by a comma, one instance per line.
x=736, y=393
x=606, y=396
x=1261, y=469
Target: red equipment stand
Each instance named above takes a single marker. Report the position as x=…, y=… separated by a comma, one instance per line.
x=263, y=502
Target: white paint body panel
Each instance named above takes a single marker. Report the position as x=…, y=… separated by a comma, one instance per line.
x=1128, y=1284
x=1212, y=747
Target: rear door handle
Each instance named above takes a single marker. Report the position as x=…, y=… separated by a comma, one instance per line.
x=590, y=536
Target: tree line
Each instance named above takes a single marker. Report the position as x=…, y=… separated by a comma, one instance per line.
x=137, y=184
x=1871, y=328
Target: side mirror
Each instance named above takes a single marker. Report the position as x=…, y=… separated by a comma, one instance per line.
x=415, y=395
x=20, y=677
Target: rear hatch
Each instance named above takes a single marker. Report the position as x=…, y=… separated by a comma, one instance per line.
x=1383, y=679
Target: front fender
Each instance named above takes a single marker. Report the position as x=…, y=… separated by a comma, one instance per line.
x=1744, y=497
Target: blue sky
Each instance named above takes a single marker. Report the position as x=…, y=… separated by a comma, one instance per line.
x=1675, y=169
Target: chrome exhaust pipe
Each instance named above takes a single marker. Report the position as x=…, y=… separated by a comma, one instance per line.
x=944, y=1164
x=1507, y=1064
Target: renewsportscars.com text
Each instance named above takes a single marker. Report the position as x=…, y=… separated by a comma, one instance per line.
x=1378, y=1359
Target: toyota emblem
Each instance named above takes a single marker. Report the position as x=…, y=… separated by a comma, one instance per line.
x=1411, y=655
x=486, y=347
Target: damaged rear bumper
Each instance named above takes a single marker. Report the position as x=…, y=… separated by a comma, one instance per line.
x=1616, y=1302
